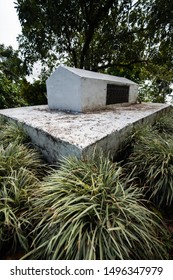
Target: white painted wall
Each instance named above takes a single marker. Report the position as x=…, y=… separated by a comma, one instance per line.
x=64, y=90
x=93, y=94
x=133, y=93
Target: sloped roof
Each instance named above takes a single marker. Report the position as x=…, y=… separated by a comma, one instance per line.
x=95, y=75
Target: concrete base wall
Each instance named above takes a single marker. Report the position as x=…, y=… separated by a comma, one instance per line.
x=58, y=134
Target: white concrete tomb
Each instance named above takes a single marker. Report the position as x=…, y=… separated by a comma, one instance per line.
x=81, y=90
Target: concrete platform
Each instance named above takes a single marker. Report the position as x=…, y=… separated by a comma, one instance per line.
x=58, y=133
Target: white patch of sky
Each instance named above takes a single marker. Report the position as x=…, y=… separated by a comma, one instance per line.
x=10, y=28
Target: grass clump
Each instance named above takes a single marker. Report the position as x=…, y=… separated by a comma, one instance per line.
x=15, y=156
x=164, y=125
x=152, y=162
x=11, y=132
x=85, y=211
x=20, y=170
x=13, y=204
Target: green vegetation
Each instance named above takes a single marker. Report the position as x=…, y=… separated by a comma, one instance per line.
x=164, y=125
x=92, y=214
x=152, y=162
x=90, y=208
x=11, y=132
x=13, y=204
x=12, y=73
x=15, y=90
x=20, y=169
x=126, y=38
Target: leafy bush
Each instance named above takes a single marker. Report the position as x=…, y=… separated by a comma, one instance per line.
x=13, y=203
x=34, y=93
x=164, y=125
x=152, y=162
x=15, y=156
x=12, y=132
x=85, y=211
x=19, y=167
x=2, y=121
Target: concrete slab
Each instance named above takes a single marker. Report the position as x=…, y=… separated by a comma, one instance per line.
x=58, y=133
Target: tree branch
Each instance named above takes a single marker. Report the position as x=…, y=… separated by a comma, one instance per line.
x=121, y=64
x=93, y=22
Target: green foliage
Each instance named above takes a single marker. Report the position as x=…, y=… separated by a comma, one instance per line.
x=11, y=132
x=9, y=93
x=152, y=162
x=85, y=211
x=3, y=121
x=15, y=90
x=86, y=34
x=164, y=125
x=12, y=73
x=13, y=203
x=20, y=170
x=11, y=65
x=155, y=84
x=34, y=93
x=126, y=38
x=16, y=155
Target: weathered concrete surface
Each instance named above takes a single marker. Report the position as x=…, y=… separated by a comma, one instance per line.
x=58, y=133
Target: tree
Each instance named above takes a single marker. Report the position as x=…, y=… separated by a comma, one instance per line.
x=119, y=37
x=11, y=64
x=86, y=34
x=15, y=90
x=12, y=73
x=160, y=67
x=34, y=93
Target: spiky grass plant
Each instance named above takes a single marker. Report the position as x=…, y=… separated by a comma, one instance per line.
x=164, y=125
x=12, y=132
x=2, y=121
x=126, y=148
x=15, y=156
x=152, y=162
x=84, y=211
x=142, y=131
x=13, y=203
x=19, y=167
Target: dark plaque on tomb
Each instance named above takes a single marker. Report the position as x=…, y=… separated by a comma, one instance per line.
x=117, y=94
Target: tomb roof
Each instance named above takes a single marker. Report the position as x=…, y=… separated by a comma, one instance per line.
x=95, y=75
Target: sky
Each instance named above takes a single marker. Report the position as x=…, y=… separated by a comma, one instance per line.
x=9, y=24
x=10, y=28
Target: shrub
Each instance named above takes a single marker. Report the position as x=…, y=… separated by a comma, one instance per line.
x=2, y=121
x=13, y=203
x=152, y=162
x=19, y=167
x=164, y=125
x=85, y=211
x=15, y=156
x=12, y=132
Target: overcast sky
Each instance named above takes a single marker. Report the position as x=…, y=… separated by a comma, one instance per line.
x=10, y=28
x=9, y=24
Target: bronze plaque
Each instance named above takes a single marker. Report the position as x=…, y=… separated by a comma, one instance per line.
x=117, y=94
